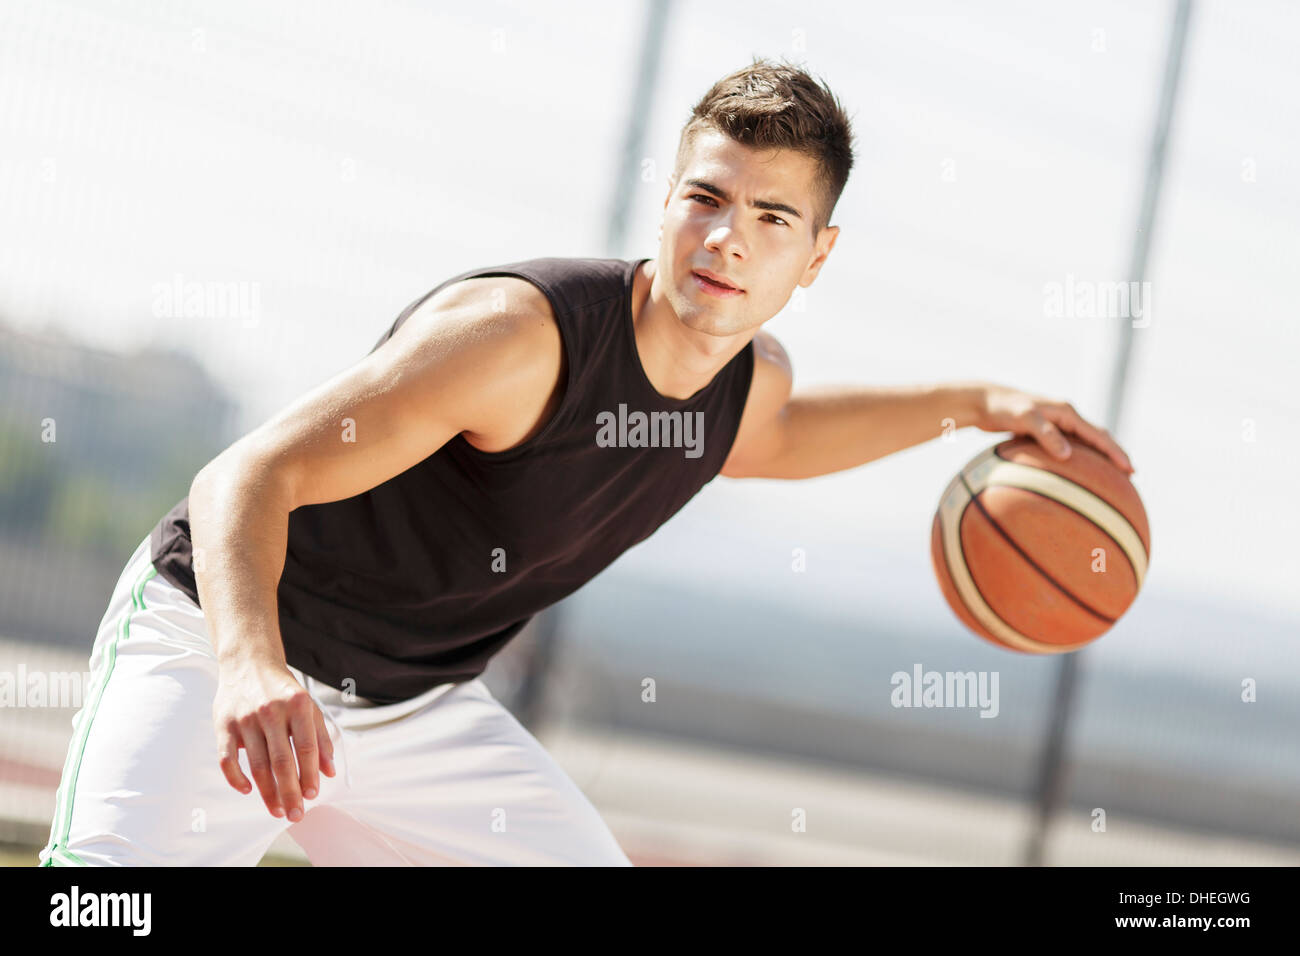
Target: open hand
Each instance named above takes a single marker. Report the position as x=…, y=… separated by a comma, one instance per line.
x=1002, y=409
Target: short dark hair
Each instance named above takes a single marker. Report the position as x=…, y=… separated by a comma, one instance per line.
x=778, y=105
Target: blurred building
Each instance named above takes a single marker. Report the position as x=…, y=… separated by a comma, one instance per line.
x=94, y=447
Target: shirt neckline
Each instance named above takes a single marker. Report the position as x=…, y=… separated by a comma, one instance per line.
x=630, y=327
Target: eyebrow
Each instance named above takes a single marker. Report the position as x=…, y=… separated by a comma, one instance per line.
x=767, y=204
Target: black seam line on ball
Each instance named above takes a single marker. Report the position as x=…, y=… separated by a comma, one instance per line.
x=1083, y=605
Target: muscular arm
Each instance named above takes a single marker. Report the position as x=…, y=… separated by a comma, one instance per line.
x=828, y=428
x=453, y=366
x=458, y=364
x=832, y=428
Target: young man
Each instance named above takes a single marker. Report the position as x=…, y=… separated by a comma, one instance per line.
x=336, y=581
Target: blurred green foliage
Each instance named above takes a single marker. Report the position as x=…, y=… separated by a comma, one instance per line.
x=28, y=482
x=88, y=505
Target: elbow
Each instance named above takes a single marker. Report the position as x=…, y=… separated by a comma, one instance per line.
x=239, y=472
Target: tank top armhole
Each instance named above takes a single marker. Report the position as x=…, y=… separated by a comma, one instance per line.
x=506, y=454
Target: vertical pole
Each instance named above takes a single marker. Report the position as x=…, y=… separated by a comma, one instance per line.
x=550, y=625
x=633, y=149
x=1052, y=763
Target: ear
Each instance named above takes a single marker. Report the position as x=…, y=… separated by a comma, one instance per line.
x=825, y=243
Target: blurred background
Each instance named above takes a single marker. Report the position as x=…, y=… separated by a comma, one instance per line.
x=311, y=169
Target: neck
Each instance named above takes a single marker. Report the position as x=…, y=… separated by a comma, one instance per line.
x=679, y=361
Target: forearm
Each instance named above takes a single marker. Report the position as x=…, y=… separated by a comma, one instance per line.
x=239, y=518
x=832, y=428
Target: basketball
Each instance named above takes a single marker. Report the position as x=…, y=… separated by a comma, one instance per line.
x=1036, y=554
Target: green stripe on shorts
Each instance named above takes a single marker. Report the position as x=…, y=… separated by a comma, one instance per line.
x=61, y=857
x=59, y=854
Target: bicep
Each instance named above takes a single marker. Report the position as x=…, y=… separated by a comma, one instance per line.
x=446, y=370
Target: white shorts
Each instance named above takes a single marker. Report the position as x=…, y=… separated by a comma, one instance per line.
x=446, y=778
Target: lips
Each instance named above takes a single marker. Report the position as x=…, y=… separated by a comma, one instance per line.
x=720, y=280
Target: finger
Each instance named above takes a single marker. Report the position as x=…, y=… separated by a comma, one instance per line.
x=1049, y=436
x=284, y=768
x=1099, y=438
x=228, y=758
x=326, y=745
x=305, y=747
x=259, y=765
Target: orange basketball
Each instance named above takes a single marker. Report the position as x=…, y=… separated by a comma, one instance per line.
x=1036, y=554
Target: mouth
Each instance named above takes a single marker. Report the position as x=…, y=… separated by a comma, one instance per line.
x=715, y=285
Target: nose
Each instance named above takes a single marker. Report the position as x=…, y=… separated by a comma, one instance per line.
x=723, y=240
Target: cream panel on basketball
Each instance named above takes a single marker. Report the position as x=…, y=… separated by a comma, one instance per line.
x=1017, y=547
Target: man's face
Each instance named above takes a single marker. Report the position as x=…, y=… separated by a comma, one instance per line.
x=763, y=250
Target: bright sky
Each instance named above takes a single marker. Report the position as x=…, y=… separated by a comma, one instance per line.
x=342, y=159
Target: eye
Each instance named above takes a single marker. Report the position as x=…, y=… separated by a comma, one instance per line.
x=710, y=199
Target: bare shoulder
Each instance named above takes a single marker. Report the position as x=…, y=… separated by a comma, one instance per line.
x=773, y=377
x=507, y=316
x=504, y=304
x=483, y=361
x=759, y=433
x=528, y=365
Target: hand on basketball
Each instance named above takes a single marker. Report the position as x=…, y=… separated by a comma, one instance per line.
x=260, y=707
x=1002, y=409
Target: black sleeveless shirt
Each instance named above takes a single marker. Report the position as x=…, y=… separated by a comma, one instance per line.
x=421, y=579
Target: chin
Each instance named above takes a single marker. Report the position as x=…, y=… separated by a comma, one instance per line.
x=701, y=318
x=707, y=323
